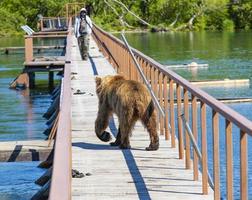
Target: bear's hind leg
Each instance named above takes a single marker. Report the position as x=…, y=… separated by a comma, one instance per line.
x=117, y=142
x=125, y=129
x=101, y=123
x=151, y=126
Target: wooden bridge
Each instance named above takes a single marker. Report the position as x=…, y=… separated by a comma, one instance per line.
x=175, y=171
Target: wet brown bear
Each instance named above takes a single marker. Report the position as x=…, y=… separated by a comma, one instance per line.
x=130, y=101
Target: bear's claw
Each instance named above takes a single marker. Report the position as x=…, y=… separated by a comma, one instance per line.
x=105, y=136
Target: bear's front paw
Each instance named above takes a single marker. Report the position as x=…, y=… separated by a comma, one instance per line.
x=105, y=136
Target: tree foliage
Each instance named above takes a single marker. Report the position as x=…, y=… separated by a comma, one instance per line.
x=173, y=14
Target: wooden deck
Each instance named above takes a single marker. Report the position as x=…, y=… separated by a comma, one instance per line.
x=31, y=150
x=115, y=173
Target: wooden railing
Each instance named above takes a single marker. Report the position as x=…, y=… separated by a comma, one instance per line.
x=62, y=163
x=53, y=23
x=29, y=42
x=166, y=85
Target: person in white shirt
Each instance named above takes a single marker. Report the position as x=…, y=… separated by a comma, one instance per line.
x=83, y=30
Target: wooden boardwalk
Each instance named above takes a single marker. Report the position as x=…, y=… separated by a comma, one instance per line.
x=115, y=173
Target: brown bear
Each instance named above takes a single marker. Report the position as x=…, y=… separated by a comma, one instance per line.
x=130, y=101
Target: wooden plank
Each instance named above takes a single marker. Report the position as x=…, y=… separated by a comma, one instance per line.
x=32, y=150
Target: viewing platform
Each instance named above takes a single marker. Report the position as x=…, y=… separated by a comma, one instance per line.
x=194, y=129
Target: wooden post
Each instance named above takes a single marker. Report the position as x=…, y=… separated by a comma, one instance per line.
x=31, y=80
x=243, y=166
x=172, y=118
x=229, y=160
x=204, y=148
x=28, y=49
x=167, y=131
x=195, y=134
x=187, y=139
x=50, y=80
x=180, y=130
x=216, y=157
x=161, y=101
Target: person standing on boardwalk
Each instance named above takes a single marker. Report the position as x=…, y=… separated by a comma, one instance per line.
x=83, y=30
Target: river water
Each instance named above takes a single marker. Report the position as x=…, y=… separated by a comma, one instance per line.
x=228, y=55
x=21, y=118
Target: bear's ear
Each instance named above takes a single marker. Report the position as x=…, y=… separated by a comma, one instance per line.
x=98, y=81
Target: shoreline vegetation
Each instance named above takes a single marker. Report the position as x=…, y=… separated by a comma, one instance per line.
x=135, y=16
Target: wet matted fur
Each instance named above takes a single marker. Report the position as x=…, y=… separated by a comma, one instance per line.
x=130, y=101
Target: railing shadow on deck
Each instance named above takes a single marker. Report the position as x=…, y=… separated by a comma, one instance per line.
x=93, y=66
x=141, y=188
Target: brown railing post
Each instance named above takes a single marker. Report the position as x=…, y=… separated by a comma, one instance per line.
x=28, y=49
x=161, y=102
x=179, y=120
x=167, y=131
x=204, y=148
x=172, y=118
x=243, y=166
x=216, y=157
x=187, y=139
x=229, y=160
x=195, y=134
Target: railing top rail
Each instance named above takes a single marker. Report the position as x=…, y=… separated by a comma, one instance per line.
x=62, y=173
x=231, y=115
x=53, y=35
x=48, y=18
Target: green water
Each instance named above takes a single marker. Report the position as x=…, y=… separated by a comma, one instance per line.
x=228, y=54
x=22, y=111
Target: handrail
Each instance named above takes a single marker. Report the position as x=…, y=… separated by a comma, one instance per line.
x=160, y=78
x=230, y=114
x=62, y=164
x=195, y=146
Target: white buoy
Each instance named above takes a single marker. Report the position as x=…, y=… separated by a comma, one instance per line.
x=193, y=64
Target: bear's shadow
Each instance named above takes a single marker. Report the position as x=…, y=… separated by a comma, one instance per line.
x=91, y=146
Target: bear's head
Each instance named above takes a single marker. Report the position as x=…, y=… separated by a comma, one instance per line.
x=104, y=83
x=98, y=81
